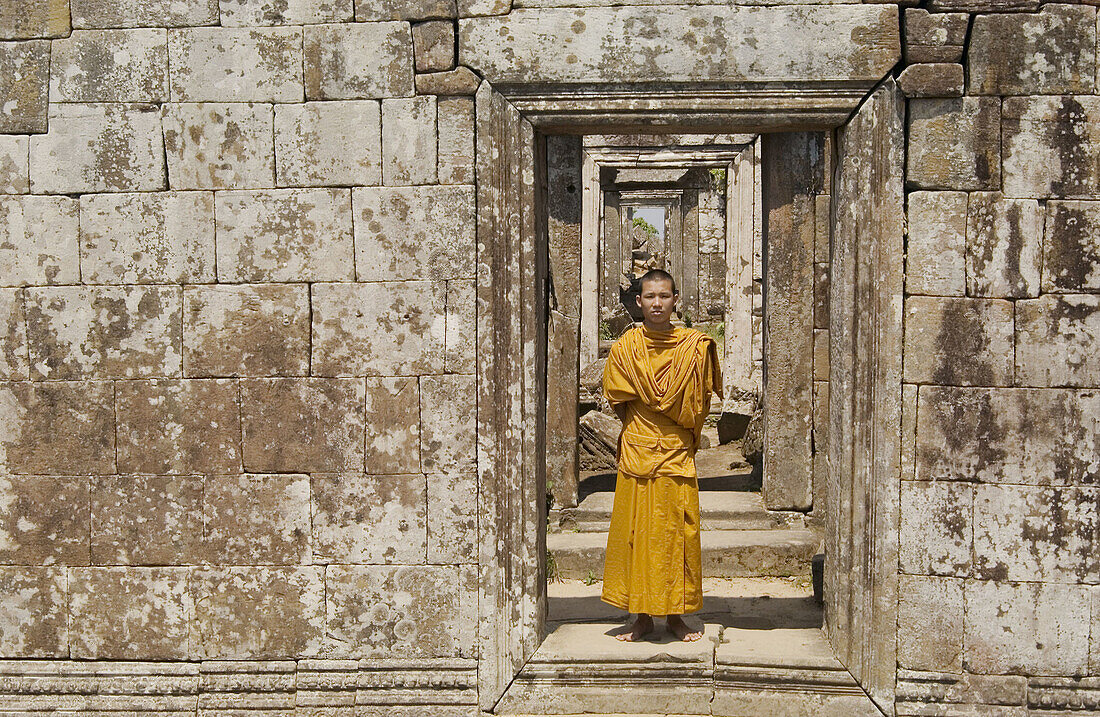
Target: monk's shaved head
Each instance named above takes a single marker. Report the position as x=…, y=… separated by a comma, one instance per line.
x=657, y=275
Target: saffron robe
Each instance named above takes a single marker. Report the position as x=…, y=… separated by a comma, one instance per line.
x=653, y=562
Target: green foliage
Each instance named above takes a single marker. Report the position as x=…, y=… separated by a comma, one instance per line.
x=718, y=179
x=716, y=331
x=590, y=579
x=605, y=331
x=649, y=229
x=552, y=574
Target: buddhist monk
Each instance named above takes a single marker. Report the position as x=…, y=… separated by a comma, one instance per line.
x=659, y=380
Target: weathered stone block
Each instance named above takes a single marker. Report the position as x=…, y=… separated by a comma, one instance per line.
x=1024, y=435
x=129, y=613
x=459, y=81
x=44, y=520
x=909, y=431
x=104, y=331
x=378, y=329
x=216, y=64
x=250, y=13
x=41, y=595
x=1071, y=246
x=953, y=341
x=936, y=252
x=955, y=143
x=821, y=355
x=39, y=241
x=934, y=37
x=983, y=5
x=14, y=360
x=257, y=519
x=448, y=428
x=59, y=427
x=937, y=531
x=1056, y=338
x=821, y=296
x=938, y=79
x=409, y=141
x=329, y=143
x=99, y=148
x=452, y=518
x=28, y=19
x=1003, y=246
x=248, y=330
x=434, y=45
x=368, y=10
x=219, y=146
x=146, y=520
x=110, y=66
x=285, y=235
x=147, y=238
x=930, y=623
x=393, y=425
x=1051, y=146
x=303, y=425
x=414, y=611
x=144, y=13
x=360, y=61
x=370, y=519
x=178, y=426
x=1037, y=534
x=635, y=44
x=1026, y=628
x=1048, y=53
x=24, y=85
x=461, y=334
x=15, y=164
x=259, y=612
x=455, y=124
x=414, y=233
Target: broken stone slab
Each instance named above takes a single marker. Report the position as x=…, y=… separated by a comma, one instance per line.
x=147, y=238
x=58, y=427
x=452, y=518
x=219, y=146
x=455, y=125
x=459, y=81
x=378, y=328
x=106, y=331
x=414, y=232
x=393, y=425
x=130, y=613
x=329, y=143
x=955, y=143
x=633, y=44
x=146, y=520
x=24, y=83
x=1052, y=146
x=1054, y=339
x=956, y=341
x=39, y=240
x=178, y=426
x=284, y=235
x=246, y=330
x=252, y=13
x=45, y=520
x=1003, y=246
x=43, y=593
x=110, y=66
x=434, y=45
x=932, y=80
x=306, y=425
x=216, y=64
x=1071, y=247
x=375, y=519
x=358, y=61
x=598, y=434
x=930, y=623
x=31, y=19
x=935, y=261
x=448, y=430
x=934, y=37
x=15, y=164
x=732, y=427
x=374, y=10
x=257, y=519
x=142, y=13
x=99, y=148
x=460, y=335
x=937, y=528
x=1048, y=53
x=409, y=141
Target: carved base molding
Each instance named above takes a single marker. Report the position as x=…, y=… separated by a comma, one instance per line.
x=268, y=688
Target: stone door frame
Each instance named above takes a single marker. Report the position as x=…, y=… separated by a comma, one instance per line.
x=865, y=346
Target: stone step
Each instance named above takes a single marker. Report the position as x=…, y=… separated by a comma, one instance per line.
x=726, y=553
x=718, y=510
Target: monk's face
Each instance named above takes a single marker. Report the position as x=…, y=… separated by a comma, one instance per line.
x=657, y=301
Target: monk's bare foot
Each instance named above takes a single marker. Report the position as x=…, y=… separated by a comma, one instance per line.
x=642, y=626
x=680, y=629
